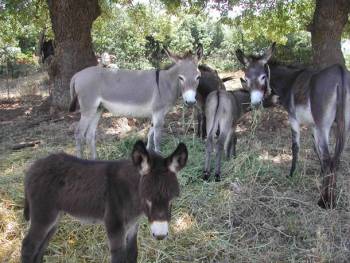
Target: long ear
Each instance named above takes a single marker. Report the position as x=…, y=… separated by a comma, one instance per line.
x=242, y=58
x=178, y=159
x=140, y=157
x=199, y=52
x=244, y=84
x=268, y=53
x=174, y=58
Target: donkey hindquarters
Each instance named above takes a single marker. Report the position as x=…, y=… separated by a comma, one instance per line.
x=208, y=82
x=223, y=110
x=115, y=193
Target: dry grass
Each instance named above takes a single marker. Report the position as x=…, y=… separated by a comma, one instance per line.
x=255, y=214
x=31, y=85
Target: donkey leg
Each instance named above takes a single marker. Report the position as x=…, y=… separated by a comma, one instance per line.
x=208, y=151
x=117, y=242
x=295, y=144
x=199, y=120
x=131, y=244
x=80, y=132
x=231, y=144
x=39, y=234
x=158, y=123
x=204, y=126
x=150, y=141
x=91, y=134
x=328, y=198
x=40, y=255
x=219, y=150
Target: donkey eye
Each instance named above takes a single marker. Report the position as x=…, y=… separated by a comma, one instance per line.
x=181, y=78
x=198, y=77
x=263, y=77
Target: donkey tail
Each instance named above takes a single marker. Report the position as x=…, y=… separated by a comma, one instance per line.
x=73, y=95
x=26, y=211
x=212, y=120
x=340, y=118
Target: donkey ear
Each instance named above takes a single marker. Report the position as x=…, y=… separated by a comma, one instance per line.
x=268, y=53
x=140, y=157
x=178, y=159
x=171, y=55
x=242, y=58
x=244, y=84
x=199, y=52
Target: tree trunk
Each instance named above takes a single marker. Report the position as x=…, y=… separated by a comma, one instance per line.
x=71, y=23
x=329, y=19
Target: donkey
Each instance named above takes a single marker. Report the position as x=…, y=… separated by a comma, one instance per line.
x=317, y=98
x=208, y=82
x=223, y=110
x=133, y=93
x=115, y=193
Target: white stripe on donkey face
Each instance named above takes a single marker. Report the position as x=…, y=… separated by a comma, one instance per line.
x=159, y=229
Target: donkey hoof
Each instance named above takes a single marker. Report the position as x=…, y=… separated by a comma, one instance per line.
x=217, y=178
x=206, y=175
x=325, y=204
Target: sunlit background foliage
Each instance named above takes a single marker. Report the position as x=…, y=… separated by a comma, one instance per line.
x=135, y=31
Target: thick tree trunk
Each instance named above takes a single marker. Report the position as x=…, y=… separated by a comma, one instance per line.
x=71, y=23
x=326, y=29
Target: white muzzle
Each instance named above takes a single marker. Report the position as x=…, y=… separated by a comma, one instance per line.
x=189, y=97
x=159, y=229
x=256, y=97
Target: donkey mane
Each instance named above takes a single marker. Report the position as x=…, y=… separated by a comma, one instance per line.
x=274, y=62
x=206, y=68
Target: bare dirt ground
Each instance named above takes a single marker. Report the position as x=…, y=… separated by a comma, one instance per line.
x=254, y=215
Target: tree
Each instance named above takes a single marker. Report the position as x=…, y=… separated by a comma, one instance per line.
x=329, y=20
x=71, y=23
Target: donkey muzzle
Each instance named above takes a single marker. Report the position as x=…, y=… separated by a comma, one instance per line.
x=256, y=97
x=159, y=229
x=189, y=97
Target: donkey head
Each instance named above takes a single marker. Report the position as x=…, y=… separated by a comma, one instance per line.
x=158, y=185
x=257, y=74
x=188, y=73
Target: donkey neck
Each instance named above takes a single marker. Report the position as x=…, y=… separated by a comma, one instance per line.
x=282, y=79
x=242, y=98
x=169, y=81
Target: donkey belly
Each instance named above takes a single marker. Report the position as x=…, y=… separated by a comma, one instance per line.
x=128, y=110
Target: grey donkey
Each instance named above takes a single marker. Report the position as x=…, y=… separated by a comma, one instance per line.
x=133, y=93
x=317, y=98
x=223, y=109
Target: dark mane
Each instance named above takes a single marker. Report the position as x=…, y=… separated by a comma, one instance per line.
x=276, y=63
x=206, y=68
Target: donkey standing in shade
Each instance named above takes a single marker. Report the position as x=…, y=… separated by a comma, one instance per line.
x=315, y=97
x=208, y=82
x=115, y=193
x=223, y=110
x=133, y=93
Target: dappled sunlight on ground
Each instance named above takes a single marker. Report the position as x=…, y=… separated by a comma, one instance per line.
x=182, y=223
x=10, y=233
x=278, y=159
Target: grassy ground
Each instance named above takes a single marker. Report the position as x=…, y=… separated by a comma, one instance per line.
x=255, y=214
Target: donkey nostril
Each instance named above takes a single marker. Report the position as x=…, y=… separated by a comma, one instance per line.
x=190, y=103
